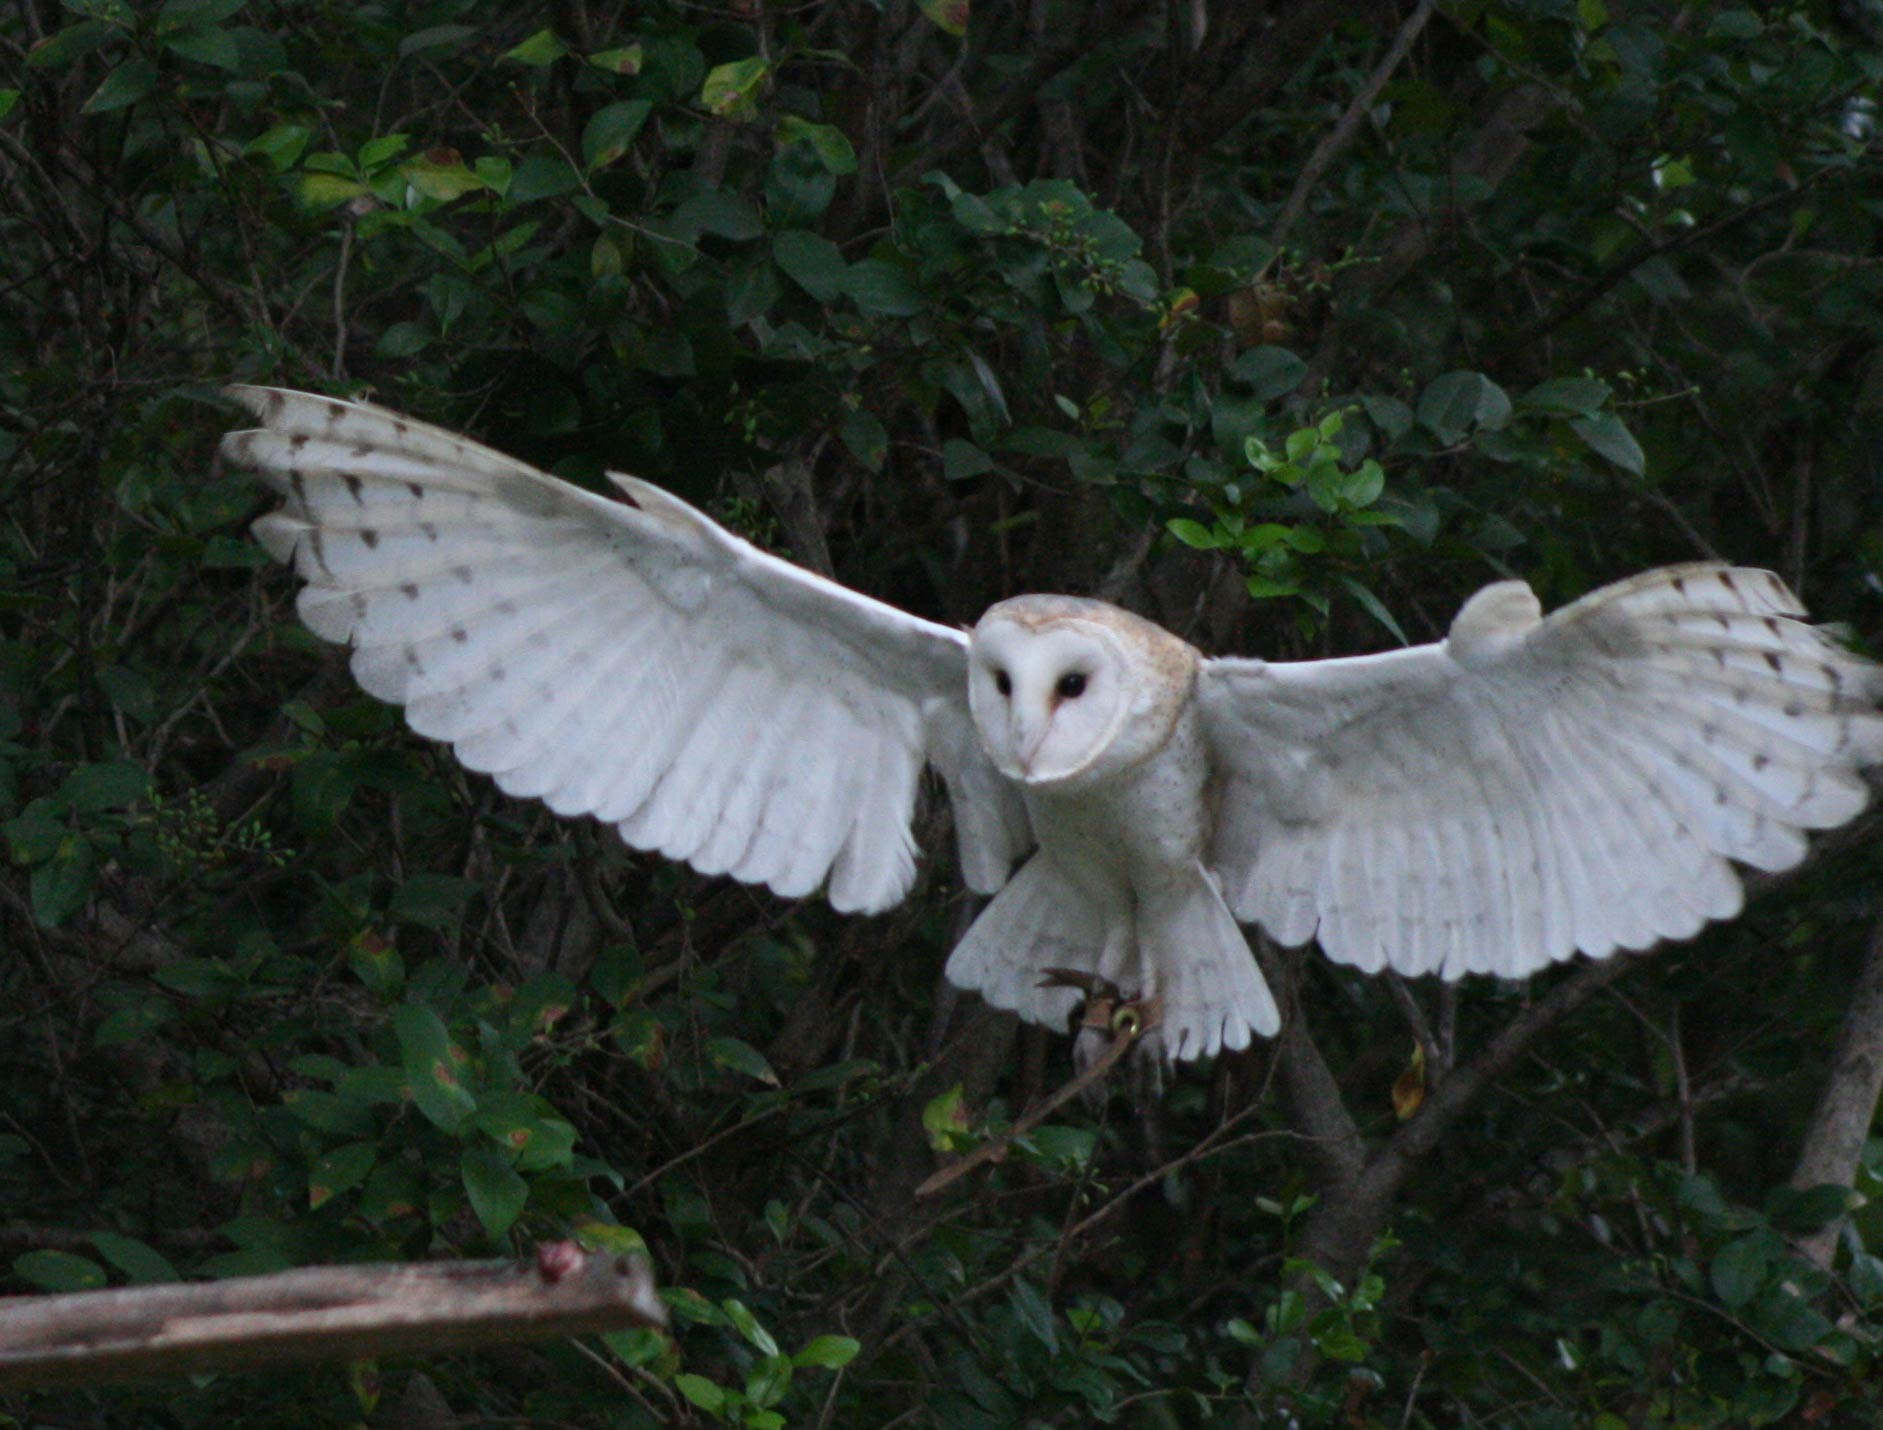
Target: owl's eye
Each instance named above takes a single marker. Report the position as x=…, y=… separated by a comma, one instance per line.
x=1002, y=684
x=1071, y=685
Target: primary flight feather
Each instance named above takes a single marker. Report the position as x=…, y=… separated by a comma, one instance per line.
x=1492, y=803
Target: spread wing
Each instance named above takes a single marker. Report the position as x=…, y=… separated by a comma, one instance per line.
x=1528, y=787
x=628, y=658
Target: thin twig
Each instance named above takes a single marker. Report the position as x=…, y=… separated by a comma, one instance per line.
x=1341, y=135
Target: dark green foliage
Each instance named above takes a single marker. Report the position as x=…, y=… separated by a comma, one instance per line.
x=961, y=307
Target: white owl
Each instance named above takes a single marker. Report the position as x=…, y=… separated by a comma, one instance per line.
x=1489, y=804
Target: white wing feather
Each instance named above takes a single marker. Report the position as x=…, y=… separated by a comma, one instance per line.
x=628, y=658
x=1531, y=787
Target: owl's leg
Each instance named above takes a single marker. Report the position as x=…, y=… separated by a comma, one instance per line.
x=1117, y=964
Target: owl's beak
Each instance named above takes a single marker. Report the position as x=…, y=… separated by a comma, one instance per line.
x=1028, y=735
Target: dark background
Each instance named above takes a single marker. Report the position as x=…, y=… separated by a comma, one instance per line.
x=952, y=308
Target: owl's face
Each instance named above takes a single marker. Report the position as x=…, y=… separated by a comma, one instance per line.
x=1062, y=688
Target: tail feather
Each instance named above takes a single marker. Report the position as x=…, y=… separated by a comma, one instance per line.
x=1181, y=943
x=1039, y=920
x=1193, y=950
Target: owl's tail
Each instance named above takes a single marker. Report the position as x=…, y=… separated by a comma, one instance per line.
x=1180, y=942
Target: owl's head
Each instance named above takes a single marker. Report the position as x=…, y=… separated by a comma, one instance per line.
x=1063, y=688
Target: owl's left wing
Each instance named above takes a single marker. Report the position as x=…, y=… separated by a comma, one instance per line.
x=1529, y=787
x=628, y=658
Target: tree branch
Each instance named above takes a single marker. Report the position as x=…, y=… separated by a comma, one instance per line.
x=323, y=1313
x=1840, y=1124
x=1341, y=135
x=1103, y=20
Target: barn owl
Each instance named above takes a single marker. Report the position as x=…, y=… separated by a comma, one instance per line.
x=1492, y=803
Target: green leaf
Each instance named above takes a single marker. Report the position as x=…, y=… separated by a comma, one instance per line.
x=432, y=1065
x=624, y=61
x=142, y=1265
x=1267, y=587
x=1567, y=396
x=437, y=37
x=1046, y=442
x=766, y=1386
x=878, y=286
x=542, y=176
x=949, y=15
x=700, y=1391
x=1799, y=1210
x=752, y=289
x=378, y=152
x=440, y=174
x=329, y=162
x=831, y=145
x=181, y=14
x=433, y=901
x=280, y=146
x=541, y=48
x=340, y=1170
x=829, y=1352
x=1389, y=415
x=59, y=1271
x=402, y=340
x=9, y=98
x=1609, y=436
x=91, y=789
x=208, y=978
x=206, y=45
x=1374, y=607
x=945, y=1119
x=863, y=434
x=1786, y=1319
x=36, y=832
x=721, y=212
x=1738, y=1271
x=962, y=459
x=124, y=86
x=731, y=90
x=609, y=132
x=323, y=191
x=798, y=187
x=1735, y=25
x=1269, y=371
x=496, y=1192
x=343, y=1115
x=610, y=1238
x=1866, y=1278
x=1035, y=1314
x=748, y=1326
x=1365, y=484
x=1192, y=533
x=741, y=1057
x=812, y=262
x=376, y=963
x=537, y=1138
x=133, y=1021
x=1458, y=401
x=1341, y=1344
x=73, y=43
x=494, y=170
x=61, y=884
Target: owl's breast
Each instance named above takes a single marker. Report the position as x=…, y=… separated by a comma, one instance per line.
x=1140, y=827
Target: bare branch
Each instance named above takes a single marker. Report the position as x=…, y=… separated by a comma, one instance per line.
x=323, y=1313
x=1840, y=1124
x=1341, y=135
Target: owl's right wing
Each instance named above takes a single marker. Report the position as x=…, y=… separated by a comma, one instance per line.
x=628, y=658
x=1529, y=787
